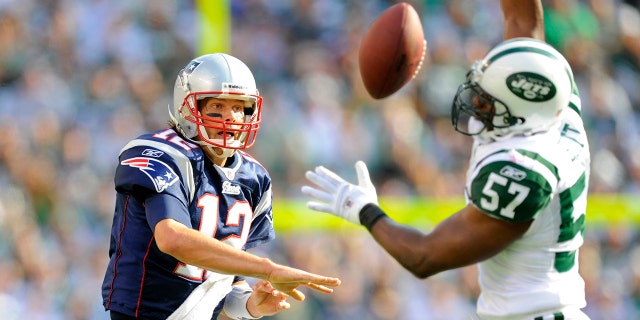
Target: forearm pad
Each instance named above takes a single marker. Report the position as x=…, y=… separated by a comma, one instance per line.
x=370, y=214
x=235, y=305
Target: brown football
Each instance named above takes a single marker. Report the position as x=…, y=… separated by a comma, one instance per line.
x=392, y=50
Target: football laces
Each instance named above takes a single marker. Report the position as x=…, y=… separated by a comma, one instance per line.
x=424, y=52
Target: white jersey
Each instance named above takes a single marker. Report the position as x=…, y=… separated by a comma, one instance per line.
x=543, y=177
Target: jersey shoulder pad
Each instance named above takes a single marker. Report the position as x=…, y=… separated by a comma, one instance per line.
x=511, y=190
x=250, y=159
x=250, y=165
x=170, y=142
x=155, y=165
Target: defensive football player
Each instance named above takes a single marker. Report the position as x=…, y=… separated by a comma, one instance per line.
x=526, y=188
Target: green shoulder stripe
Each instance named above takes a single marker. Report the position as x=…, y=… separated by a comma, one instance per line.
x=541, y=160
x=575, y=108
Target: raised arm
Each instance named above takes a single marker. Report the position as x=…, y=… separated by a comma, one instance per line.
x=523, y=18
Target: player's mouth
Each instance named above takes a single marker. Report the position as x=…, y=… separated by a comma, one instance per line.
x=225, y=135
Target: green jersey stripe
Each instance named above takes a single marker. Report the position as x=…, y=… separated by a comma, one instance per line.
x=537, y=157
x=555, y=316
x=569, y=228
x=575, y=108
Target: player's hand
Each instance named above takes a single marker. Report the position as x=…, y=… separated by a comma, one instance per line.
x=334, y=195
x=287, y=280
x=265, y=300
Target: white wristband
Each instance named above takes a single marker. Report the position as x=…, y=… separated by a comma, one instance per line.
x=235, y=305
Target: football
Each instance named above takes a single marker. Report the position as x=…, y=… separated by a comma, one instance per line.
x=391, y=50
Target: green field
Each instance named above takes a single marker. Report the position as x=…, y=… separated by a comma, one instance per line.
x=290, y=215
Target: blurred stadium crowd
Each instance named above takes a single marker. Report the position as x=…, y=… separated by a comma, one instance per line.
x=78, y=79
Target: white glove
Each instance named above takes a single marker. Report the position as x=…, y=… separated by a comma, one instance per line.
x=338, y=197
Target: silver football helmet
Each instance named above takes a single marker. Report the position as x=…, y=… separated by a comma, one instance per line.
x=518, y=88
x=221, y=76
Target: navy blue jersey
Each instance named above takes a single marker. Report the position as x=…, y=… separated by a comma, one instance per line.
x=162, y=176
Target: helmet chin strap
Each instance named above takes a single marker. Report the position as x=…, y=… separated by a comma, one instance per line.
x=476, y=125
x=515, y=120
x=226, y=152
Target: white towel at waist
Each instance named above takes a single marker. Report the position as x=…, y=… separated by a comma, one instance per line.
x=200, y=304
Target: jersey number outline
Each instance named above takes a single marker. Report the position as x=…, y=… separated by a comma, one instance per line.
x=209, y=205
x=521, y=192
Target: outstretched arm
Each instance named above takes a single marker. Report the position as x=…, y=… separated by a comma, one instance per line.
x=523, y=18
x=194, y=248
x=467, y=237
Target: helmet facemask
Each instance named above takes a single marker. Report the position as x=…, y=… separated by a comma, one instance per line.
x=234, y=134
x=474, y=110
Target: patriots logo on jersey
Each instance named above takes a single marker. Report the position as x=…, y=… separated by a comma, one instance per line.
x=159, y=172
x=229, y=188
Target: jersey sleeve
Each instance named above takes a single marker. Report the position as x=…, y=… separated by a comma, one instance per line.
x=509, y=191
x=155, y=178
x=162, y=206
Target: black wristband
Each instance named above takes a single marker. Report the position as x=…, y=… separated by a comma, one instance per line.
x=370, y=214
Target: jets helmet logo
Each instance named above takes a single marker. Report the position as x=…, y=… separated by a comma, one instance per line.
x=531, y=86
x=159, y=172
